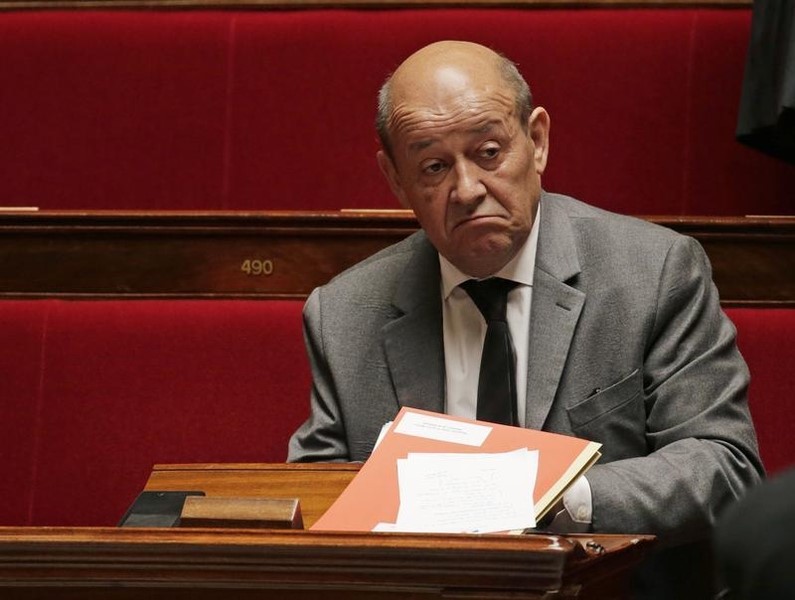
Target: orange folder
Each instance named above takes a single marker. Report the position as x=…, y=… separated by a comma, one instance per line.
x=372, y=497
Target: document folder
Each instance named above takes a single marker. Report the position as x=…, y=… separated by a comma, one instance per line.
x=372, y=497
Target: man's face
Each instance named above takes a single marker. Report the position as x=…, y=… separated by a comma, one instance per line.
x=467, y=168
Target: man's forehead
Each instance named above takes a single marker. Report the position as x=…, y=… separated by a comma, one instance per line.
x=419, y=124
x=435, y=82
x=476, y=127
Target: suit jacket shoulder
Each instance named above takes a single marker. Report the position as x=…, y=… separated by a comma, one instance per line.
x=376, y=278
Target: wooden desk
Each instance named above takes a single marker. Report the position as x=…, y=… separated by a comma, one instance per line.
x=202, y=563
x=316, y=485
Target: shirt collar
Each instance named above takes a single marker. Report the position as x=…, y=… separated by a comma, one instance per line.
x=520, y=268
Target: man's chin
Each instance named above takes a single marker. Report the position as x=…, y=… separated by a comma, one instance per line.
x=485, y=238
x=486, y=256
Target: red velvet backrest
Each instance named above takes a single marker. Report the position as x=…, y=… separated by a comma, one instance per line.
x=765, y=338
x=96, y=392
x=248, y=110
x=101, y=391
x=23, y=327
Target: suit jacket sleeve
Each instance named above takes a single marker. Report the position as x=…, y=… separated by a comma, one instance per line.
x=322, y=437
x=701, y=445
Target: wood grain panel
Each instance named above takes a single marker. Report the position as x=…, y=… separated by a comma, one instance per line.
x=128, y=563
x=204, y=255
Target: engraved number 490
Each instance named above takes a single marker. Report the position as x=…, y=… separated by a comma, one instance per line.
x=255, y=266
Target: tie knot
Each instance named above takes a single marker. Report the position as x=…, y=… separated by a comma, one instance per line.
x=490, y=296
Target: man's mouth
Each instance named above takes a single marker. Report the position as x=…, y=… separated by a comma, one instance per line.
x=473, y=219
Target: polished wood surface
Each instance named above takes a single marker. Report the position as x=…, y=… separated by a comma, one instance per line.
x=186, y=254
x=195, y=563
x=287, y=254
x=319, y=484
x=130, y=563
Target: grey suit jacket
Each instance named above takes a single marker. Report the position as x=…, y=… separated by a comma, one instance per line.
x=628, y=347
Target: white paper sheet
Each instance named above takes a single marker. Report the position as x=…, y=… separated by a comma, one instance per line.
x=467, y=493
x=444, y=430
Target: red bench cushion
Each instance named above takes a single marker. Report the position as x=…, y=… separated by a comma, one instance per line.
x=101, y=391
x=274, y=109
x=765, y=338
x=96, y=392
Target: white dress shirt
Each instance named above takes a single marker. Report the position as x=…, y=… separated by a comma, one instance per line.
x=464, y=330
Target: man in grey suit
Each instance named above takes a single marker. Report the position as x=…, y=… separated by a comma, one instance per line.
x=616, y=325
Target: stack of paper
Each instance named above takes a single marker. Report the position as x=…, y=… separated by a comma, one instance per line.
x=466, y=493
x=436, y=473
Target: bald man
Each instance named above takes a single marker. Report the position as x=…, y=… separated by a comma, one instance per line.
x=616, y=327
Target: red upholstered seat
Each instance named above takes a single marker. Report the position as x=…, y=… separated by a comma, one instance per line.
x=96, y=392
x=100, y=391
x=765, y=337
x=22, y=332
x=245, y=110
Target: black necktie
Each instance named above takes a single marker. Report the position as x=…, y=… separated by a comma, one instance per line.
x=497, y=381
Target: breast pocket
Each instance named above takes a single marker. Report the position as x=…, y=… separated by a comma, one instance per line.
x=615, y=417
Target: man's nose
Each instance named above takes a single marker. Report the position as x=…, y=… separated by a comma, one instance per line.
x=468, y=186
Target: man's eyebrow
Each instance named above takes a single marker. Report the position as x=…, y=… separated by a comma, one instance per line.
x=485, y=127
x=477, y=130
x=421, y=144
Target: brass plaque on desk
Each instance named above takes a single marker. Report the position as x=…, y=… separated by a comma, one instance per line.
x=247, y=513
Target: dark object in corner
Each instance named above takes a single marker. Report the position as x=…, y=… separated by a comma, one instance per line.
x=156, y=509
x=754, y=545
x=767, y=107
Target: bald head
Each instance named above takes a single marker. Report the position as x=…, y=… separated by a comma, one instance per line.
x=443, y=70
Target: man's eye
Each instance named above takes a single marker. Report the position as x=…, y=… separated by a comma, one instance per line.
x=433, y=168
x=490, y=152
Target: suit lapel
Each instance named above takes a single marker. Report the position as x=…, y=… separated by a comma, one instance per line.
x=413, y=341
x=555, y=311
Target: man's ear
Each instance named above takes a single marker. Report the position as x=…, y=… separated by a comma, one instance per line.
x=390, y=172
x=538, y=130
